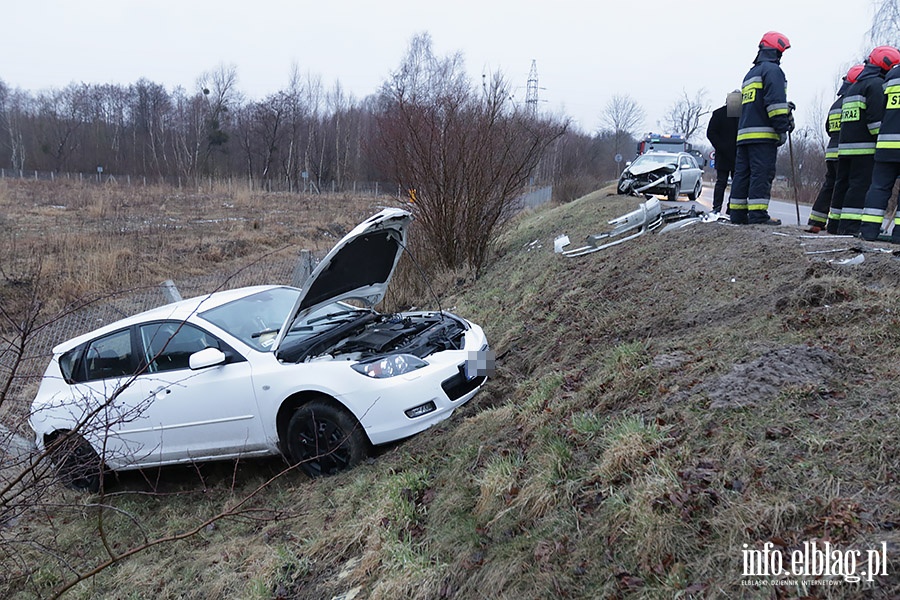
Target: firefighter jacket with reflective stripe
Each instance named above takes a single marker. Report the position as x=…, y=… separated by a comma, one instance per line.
x=887, y=148
x=764, y=108
x=833, y=129
x=861, y=113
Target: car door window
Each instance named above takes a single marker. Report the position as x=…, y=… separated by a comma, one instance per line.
x=168, y=346
x=109, y=356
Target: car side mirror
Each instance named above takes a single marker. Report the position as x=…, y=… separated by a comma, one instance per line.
x=208, y=357
x=627, y=164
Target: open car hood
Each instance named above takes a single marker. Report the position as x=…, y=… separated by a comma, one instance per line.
x=359, y=267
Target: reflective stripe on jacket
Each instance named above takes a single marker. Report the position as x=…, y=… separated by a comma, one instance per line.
x=887, y=147
x=833, y=130
x=861, y=113
x=764, y=107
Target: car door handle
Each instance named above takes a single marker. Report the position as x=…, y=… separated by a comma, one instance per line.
x=158, y=391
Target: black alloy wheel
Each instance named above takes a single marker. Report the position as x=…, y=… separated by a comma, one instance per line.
x=324, y=439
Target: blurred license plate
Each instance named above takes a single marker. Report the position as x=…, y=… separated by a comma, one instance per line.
x=479, y=364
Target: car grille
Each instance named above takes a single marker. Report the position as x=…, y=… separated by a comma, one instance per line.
x=458, y=386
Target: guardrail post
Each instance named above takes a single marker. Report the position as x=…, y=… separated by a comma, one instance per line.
x=170, y=291
x=303, y=269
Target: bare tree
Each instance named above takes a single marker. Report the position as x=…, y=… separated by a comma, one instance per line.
x=621, y=117
x=219, y=90
x=150, y=112
x=885, y=28
x=464, y=153
x=62, y=113
x=685, y=115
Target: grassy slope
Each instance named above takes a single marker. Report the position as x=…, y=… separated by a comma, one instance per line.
x=594, y=465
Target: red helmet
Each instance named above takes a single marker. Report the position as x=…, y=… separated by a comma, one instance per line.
x=775, y=40
x=885, y=57
x=853, y=73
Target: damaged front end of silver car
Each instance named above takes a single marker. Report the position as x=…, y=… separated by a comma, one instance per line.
x=662, y=181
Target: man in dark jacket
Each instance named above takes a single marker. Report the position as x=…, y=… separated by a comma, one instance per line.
x=887, y=164
x=821, y=209
x=764, y=123
x=861, y=112
x=722, y=134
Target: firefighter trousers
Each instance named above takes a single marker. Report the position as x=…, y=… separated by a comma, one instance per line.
x=854, y=175
x=884, y=174
x=751, y=186
x=818, y=216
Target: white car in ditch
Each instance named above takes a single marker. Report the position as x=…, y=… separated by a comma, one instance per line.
x=315, y=374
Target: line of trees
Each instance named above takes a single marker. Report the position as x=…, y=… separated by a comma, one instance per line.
x=145, y=130
x=306, y=136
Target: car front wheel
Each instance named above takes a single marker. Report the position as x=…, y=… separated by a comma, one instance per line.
x=697, y=190
x=673, y=194
x=324, y=439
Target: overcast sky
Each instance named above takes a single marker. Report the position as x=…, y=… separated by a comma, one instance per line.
x=585, y=52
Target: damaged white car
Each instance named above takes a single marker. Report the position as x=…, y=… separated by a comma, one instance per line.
x=667, y=174
x=315, y=374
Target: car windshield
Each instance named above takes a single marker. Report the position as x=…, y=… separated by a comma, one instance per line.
x=256, y=319
x=655, y=160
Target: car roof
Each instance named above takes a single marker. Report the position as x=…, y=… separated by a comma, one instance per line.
x=176, y=311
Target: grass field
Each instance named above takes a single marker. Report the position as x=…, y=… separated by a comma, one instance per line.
x=661, y=409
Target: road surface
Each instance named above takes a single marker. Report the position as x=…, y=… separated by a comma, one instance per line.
x=778, y=209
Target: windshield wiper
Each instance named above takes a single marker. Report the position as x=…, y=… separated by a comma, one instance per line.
x=336, y=314
x=264, y=332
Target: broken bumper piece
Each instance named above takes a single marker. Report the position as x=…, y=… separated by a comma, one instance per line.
x=649, y=216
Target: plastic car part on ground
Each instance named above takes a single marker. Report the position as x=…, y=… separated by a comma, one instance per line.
x=649, y=216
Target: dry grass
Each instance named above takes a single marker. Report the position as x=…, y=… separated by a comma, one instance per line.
x=594, y=465
x=91, y=240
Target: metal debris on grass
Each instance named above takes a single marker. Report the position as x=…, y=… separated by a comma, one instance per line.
x=649, y=216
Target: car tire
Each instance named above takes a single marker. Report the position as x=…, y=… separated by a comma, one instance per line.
x=697, y=191
x=323, y=439
x=673, y=194
x=78, y=466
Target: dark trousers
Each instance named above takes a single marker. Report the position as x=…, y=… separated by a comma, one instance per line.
x=884, y=174
x=751, y=186
x=854, y=175
x=722, y=176
x=818, y=216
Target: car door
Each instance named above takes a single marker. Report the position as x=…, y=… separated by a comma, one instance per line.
x=689, y=174
x=110, y=396
x=191, y=414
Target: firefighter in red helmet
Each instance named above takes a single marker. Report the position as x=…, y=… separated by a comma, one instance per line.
x=765, y=120
x=861, y=112
x=821, y=210
x=887, y=157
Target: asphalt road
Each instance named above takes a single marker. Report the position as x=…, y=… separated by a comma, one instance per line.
x=778, y=209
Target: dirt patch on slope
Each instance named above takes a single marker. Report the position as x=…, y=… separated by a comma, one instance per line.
x=759, y=381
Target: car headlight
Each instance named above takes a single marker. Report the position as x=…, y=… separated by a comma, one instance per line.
x=389, y=366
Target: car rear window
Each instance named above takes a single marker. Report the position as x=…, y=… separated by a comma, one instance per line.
x=109, y=356
x=68, y=363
